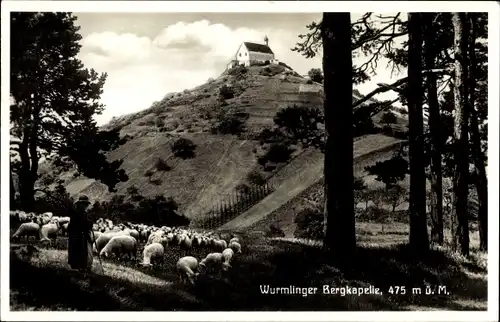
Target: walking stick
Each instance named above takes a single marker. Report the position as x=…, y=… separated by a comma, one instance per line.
x=98, y=255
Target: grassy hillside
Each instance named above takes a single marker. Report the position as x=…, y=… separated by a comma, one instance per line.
x=221, y=161
x=278, y=206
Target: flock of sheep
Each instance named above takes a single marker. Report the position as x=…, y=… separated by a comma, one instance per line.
x=122, y=240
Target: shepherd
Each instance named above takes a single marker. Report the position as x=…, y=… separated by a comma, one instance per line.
x=79, y=242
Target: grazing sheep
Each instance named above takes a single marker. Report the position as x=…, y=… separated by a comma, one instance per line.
x=219, y=245
x=213, y=261
x=153, y=253
x=185, y=242
x=104, y=238
x=235, y=246
x=64, y=229
x=155, y=237
x=143, y=234
x=227, y=255
x=121, y=244
x=134, y=233
x=94, y=235
x=48, y=231
x=23, y=217
x=186, y=267
x=64, y=220
x=234, y=239
x=27, y=229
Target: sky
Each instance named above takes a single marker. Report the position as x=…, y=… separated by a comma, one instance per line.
x=148, y=55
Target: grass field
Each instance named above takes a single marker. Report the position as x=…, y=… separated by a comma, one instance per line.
x=44, y=281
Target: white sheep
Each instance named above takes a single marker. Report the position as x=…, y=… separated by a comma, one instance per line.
x=155, y=237
x=104, y=238
x=48, y=231
x=227, y=255
x=213, y=261
x=134, y=233
x=196, y=240
x=143, y=234
x=94, y=235
x=27, y=229
x=23, y=217
x=121, y=244
x=64, y=220
x=185, y=242
x=186, y=267
x=153, y=253
x=234, y=239
x=235, y=246
x=219, y=244
x=64, y=229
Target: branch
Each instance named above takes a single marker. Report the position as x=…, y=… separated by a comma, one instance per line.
x=387, y=87
x=384, y=107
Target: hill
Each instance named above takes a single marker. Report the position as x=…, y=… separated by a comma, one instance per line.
x=222, y=160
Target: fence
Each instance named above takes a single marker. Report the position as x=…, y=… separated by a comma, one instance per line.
x=236, y=204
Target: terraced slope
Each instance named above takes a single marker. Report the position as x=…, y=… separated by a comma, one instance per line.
x=302, y=179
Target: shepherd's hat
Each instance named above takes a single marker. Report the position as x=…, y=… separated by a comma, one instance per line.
x=83, y=199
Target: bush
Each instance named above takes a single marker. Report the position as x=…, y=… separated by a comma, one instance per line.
x=58, y=201
x=149, y=173
x=255, y=177
x=278, y=153
x=275, y=231
x=157, y=211
x=309, y=221
x=388, y=118
x=309, y=82
x=226, y=92
x=316, y=75
x=239, y=71
x=230, y=120
x=267, y=135
x=362, y=122
x=184, y=148
x=299, y=123
x=132, y=190
x=162, y=165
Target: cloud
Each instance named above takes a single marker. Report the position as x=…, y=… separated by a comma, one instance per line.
x=142, y=70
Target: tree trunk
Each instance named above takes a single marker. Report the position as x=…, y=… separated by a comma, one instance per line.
x=477, y=154
x=461, y=155
x=340, y=234
x=437, y=236
x=418, y=218
x=13, y=199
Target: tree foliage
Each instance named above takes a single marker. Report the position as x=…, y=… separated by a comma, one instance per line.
x=54, y=101
x=316, y=75
x=390, y=172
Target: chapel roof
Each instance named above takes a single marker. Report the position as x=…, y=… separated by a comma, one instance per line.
x=259, y=48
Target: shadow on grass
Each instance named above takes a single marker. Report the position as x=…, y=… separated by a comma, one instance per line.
x=55, y=287
x=277, y=264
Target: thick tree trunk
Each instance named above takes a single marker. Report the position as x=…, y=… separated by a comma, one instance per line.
x=340, y=235
x=461, y=131
x=437, y=236
x=419, y=240
x=26, y=191
x=477, y=154
x=28, y=171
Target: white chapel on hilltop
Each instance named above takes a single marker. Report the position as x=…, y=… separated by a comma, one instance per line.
x=250, y=53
